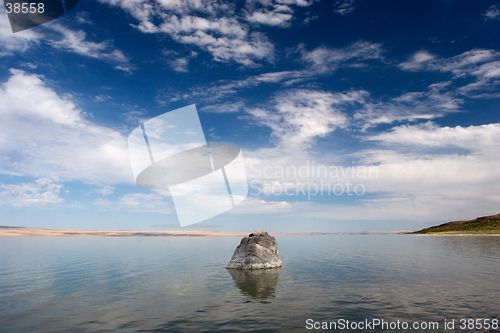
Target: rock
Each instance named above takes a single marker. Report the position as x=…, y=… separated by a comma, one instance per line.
x=256, y=251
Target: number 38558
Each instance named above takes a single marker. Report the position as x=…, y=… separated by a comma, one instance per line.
x=25, y=8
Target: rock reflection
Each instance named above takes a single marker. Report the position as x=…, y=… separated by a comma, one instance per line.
x=260, y=284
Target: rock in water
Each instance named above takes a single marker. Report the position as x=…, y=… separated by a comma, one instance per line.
x=256, y=251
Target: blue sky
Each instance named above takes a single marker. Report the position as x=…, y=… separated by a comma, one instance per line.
x=410, y=89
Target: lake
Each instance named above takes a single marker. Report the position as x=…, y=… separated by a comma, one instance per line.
x=180, y=284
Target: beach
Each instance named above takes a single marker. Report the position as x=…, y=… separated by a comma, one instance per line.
x=19, y=231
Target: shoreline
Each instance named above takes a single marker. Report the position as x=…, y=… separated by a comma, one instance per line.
x=483, y=225
x=447, y=233
x=41, y=232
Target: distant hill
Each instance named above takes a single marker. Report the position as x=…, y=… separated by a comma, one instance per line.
x=481, y=225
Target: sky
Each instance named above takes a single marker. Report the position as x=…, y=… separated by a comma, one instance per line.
x=351, y=115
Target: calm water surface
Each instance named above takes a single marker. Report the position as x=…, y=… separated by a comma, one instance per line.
x=180, y=284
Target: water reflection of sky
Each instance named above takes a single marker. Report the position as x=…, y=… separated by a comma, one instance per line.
x=181, y=284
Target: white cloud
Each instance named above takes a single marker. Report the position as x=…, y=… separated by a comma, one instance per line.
x=135, y=117
x=424, y=172
x=216, y=27
x=225, y=88
x=374, y=114
x=297, y=119
x=211, y=26
x=176, y=62
x=273, y=18
x=273, y=12
x=417, y=61
x=155, y=202
x=434, y=102
x=45, y=135
x=309, y=17
x=430, y=207
x=39, y=193
x=103, y=98
x=442, y=181
x=75, y=42
x=106, y=190
x=28, y=65
x=224, y=107
x=484, y=138
x=179, y=65
x=460, y=65
x=321, y=61
x=492, y=13
x=83, y=18
x=479, y=64
x=278, y=15
x=344, y=7
x=60, y=38
x=300, y=116
x=488, y=70
x=230, y=48
x=300, y=3
x=438, y=100
x=25, y=95
x=129, y=69
x=253, y=205
x=326, y=59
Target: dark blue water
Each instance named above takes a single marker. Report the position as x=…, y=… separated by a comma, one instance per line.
x=180, y=284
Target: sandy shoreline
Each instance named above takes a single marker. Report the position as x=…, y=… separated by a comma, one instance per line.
x=18, y=232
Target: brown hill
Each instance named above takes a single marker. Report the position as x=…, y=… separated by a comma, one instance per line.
x=480, y=225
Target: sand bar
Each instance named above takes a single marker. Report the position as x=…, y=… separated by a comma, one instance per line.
x=17, y=232
x=5, y=231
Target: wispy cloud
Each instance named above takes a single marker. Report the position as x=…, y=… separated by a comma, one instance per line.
x=441, y=98
x=479, y=64
x=61, y=38
x=177, y=62
x=224, y=107
x=327, y=59
x=344, y=7
x=211, y=26
x=43, y=191
x=226, y=88
x=106, y=190
x=320, y=61
x=434, y=102
x=300, y=116
x=222, y=29
x=269, y=13
x=83, y=18
x=460, y=65
x=418, y=61
x=179, y=65
x=76, y=42
x=492, y=13
x=155, y=202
